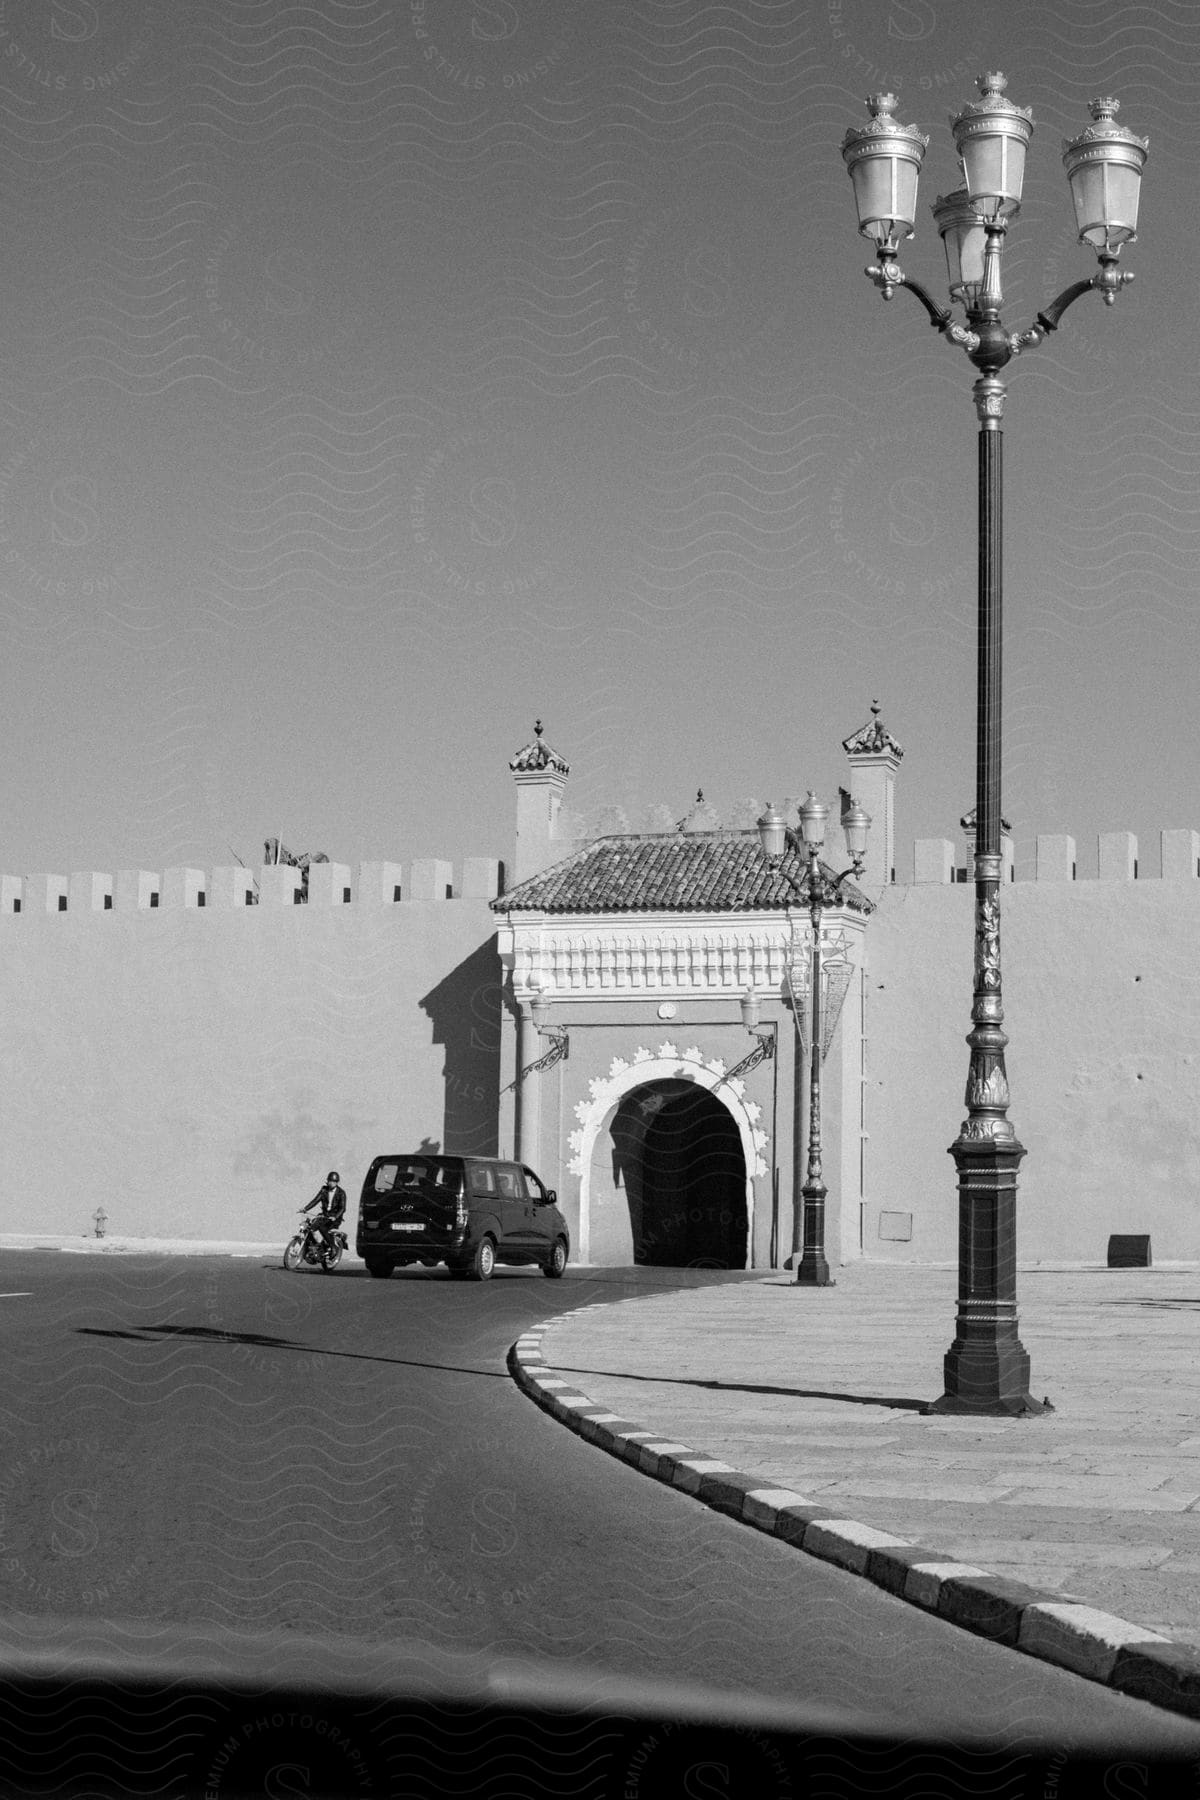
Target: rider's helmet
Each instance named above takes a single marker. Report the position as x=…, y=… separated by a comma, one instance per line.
x=333, y=1178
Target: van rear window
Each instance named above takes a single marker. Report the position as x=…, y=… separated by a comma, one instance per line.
x=418, y=1171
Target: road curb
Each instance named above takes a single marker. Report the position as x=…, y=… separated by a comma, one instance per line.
x=1128, y=1658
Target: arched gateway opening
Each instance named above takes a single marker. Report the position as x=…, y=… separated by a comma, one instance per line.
x=677, y=1153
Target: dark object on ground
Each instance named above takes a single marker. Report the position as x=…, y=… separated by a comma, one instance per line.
x=1129, y=1252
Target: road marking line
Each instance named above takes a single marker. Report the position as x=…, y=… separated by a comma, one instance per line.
x=25, y=1296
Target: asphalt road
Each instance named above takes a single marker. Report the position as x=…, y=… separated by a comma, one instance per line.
x=216, y=1441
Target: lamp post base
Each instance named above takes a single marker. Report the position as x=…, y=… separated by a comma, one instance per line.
x=814, y=1274
x=812, y=1269
x=988, y=1376
x=987, y=1367
x=809, y=1274
x=1018, y=1406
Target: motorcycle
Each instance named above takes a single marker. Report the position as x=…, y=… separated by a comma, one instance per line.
x=307, y=1247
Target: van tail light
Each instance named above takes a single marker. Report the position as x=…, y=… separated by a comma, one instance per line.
x=460, y=1213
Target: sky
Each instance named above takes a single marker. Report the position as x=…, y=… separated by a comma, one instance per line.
x=377, y=377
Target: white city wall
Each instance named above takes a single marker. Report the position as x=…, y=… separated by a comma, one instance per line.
x=195, y=1069
x=1102, y=1010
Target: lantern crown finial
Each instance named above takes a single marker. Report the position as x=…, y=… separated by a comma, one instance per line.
x=993, y=99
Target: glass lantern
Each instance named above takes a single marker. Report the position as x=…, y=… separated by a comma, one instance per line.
x=991, y=136
x=772, y=834
x=964, y=240
x=884, y=160
x=856, y=823
x=813, y=815
x=1104, y=168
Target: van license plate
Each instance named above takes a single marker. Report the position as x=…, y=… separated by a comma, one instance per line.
x=407, y=1225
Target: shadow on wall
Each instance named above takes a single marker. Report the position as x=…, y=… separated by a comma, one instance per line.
x=465, y=1009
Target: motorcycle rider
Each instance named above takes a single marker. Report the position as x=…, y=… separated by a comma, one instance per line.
x=332, y=1201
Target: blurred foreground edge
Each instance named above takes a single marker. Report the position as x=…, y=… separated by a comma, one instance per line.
x=99, y=1708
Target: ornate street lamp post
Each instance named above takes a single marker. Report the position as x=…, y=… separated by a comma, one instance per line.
x=818, y=890
x=986, y=1368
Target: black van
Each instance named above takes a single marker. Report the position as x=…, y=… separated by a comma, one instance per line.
x=469, y=1212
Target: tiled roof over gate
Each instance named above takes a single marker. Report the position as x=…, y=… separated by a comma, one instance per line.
x=673, y=871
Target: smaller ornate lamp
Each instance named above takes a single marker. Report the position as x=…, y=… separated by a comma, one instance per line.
x=763, y=1035
x=856, y=823
x=539, y=1013
x=820, y=890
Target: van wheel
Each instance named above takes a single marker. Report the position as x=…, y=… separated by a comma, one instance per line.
x=377, y=1267
x=484, y=1260
x=556, y=1267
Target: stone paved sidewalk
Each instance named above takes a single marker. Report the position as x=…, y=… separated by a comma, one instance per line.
x=818, y=1391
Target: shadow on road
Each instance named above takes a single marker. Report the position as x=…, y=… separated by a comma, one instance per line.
x=206, y=1334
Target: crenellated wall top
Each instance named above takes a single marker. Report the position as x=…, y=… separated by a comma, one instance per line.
x=269, y=886
x=933, y=861
x=1056, y=858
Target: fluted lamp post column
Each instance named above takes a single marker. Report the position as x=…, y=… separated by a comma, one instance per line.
x=817, y=891
x=986, y=1367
